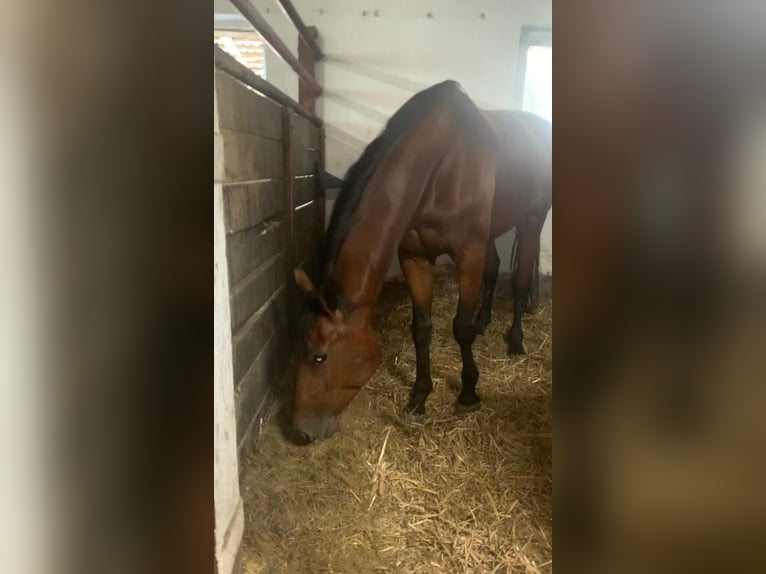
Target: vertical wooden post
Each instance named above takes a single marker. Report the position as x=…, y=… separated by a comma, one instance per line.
x=306, y=92
x=289, y=183
x=320, y=193
x=307, y=98
x=287, y=159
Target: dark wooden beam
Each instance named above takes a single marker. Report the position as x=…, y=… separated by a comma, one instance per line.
x=303, y=30
x=252, y=15
x=231, y=66
x=289, y=182
x=321, y=198
x=306, y=94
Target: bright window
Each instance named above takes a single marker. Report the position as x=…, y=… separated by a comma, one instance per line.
x=536, y=72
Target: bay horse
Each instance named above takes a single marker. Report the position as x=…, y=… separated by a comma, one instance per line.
x=442, y=177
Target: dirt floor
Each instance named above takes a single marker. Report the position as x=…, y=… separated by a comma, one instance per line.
x=452, y=493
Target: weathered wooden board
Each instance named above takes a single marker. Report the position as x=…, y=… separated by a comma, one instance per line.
x=248, y=204
x=304, y=133
x=305, y=161
x=247, y=157
x=255, y=289
x=306, y=236
x=260, y=378
x=249, y=340
x=251, y=248
x=242, y=109
x=305, y=189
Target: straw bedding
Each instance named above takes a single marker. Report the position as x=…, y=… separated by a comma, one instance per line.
x=449, y=493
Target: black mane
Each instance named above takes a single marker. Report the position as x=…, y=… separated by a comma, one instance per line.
x=360, y=173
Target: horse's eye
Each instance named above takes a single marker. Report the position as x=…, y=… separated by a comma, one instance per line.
x=320, y=358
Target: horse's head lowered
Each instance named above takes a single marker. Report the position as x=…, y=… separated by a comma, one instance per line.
x=338, y=356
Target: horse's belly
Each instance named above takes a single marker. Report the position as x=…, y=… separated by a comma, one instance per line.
x=436, y=242
x=515, y=198
x=508, y=211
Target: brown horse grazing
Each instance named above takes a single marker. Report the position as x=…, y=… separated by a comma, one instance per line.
x=442, y=177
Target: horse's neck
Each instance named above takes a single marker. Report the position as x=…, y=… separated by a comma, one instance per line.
x=382, y=217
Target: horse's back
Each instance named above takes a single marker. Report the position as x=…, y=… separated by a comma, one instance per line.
x=523, y=167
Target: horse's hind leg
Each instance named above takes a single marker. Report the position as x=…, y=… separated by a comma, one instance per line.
x=470, y=268
x=419, y=273
x=491, y=268
x=528, y=234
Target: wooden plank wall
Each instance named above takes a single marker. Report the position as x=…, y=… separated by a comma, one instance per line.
x=308, y=199
x=272, y=208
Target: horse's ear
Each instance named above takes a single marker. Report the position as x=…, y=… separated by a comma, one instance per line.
x=335, y=314
x=338, y=317
x=303, y=281
x=328, y=301
x=319, y=302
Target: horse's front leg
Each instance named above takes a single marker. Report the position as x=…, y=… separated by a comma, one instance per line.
x=419, y=273
x=470, y=269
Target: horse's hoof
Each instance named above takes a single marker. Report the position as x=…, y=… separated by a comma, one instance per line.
x=468, y=406
x=413, y=419
x=415, y=409
x=516, y=348
x=465, y=409
x=414, y=416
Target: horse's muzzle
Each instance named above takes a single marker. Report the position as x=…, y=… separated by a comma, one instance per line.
x=315, y=428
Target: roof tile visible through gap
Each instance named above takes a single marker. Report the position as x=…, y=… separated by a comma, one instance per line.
x=247, y=47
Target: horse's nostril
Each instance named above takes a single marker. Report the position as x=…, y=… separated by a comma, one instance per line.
x=304, y=436
x=332, y=428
